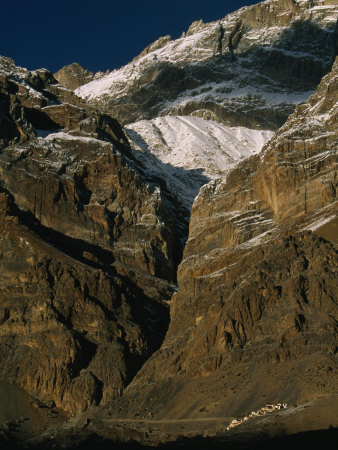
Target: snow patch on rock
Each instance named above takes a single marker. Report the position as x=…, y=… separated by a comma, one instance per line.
x=188, y=152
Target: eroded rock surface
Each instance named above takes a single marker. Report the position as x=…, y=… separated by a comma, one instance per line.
x=91, y=235
x=87, y=247
x=73, y=76
x=256, y=311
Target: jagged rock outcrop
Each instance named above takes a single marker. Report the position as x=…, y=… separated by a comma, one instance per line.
x=159, y=43
x=74, y=76
x=257, y=291
x=23, y=94
x=87, y=248
x=249, y=69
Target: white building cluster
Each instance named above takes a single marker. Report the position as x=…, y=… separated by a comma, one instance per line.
x=268, y=408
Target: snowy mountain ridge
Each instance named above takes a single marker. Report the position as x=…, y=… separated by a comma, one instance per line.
x=196, y=47
x=227, y=70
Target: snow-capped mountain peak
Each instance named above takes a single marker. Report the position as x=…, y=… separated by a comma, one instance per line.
x=250, y=68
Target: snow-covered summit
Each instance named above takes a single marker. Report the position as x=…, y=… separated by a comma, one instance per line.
x=250, y=68
x=204, y=43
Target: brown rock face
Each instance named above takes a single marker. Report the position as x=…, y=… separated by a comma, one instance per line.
x=73, y=76
x=257, y=295
x=280, y=12
x=87, y=249
x=69, y=332
x=297, y=176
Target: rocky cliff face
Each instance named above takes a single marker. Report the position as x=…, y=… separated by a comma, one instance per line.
x=54, y=173
x=74, y=76
x=94, y=219
x=250, y=68
x=87, y=247
x=257, y=292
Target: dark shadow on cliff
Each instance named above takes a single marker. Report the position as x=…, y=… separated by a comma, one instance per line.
x=141, y=305
x=293, y=59
x=74, y=248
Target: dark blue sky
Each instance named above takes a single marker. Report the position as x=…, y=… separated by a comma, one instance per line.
x=99, y=34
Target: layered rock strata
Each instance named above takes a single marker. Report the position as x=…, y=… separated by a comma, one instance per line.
x=87, y=248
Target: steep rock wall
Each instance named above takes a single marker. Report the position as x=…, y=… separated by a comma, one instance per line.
x=257, y=293
x=87, y=251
